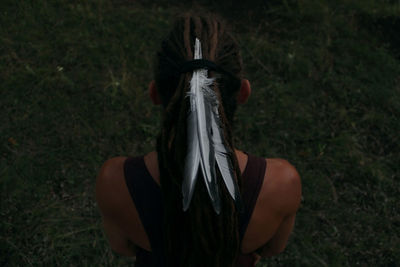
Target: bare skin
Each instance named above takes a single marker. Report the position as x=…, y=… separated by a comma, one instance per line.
x=270, y=225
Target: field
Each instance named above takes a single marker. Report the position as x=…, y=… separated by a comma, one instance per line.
x=326, y=96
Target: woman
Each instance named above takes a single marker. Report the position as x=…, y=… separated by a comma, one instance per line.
x=141, y=198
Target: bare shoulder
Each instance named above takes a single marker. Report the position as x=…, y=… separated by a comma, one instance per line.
x=120, y=218
x=278, y=199
x=111, y=171
x=110, y=184
x=282, y=186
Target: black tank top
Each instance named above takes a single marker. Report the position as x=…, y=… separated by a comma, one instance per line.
x=146, y=194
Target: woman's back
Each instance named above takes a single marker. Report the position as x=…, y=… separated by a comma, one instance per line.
x=270, y=221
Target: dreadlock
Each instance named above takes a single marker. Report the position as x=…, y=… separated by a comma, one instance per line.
x=197, y=237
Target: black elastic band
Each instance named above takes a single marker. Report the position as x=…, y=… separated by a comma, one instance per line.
x=196, y=64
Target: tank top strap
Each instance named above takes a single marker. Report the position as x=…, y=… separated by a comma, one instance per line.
x=147, y=196
x=252, y=180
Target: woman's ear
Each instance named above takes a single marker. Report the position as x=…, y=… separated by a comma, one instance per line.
x=244, y=92
x=155, y=98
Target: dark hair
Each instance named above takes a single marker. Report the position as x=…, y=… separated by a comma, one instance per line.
x=197, y=237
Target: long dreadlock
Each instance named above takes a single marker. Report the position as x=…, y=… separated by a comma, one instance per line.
x=198, y=237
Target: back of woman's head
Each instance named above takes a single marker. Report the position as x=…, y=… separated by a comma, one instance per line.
x=197, y=237
x=217, y=46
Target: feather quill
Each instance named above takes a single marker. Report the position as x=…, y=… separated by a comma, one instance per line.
x=206, y=147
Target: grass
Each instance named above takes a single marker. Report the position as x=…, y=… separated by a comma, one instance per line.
x=326, y=96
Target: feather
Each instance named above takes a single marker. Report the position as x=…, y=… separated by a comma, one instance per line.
x=192, y=160
x=222, y=156
x=206, y=146
x=200, y=151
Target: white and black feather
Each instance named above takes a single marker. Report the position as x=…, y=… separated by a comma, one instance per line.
x=205, y=143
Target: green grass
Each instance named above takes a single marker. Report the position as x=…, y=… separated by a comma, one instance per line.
x=326, y=95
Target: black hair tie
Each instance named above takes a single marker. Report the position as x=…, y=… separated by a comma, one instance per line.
x=196, y=64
